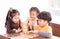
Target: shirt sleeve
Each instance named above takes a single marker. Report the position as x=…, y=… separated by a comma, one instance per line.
x=46, y=34
x=9, y=30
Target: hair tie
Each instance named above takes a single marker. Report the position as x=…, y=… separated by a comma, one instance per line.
x=11, y=9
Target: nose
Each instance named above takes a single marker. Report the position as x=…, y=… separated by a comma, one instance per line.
x=17, y=19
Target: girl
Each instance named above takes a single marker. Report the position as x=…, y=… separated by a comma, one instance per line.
x=13, y=23
x=32, y=20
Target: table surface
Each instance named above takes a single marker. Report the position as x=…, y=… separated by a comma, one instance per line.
x=24, y=36
x=3, y=37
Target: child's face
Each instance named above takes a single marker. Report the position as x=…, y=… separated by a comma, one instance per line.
x=33, y=15
x=15, y=19
x=42, y=22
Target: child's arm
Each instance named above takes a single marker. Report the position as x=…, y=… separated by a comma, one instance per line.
x=46, y=34
x=40, y=33
x=9, y=30
x=24, y=28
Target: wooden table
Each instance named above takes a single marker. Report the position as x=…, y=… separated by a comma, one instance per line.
x=3, y=37
x=24, y=36
x=40, y=38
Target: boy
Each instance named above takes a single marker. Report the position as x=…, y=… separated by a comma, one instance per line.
x=43, y=29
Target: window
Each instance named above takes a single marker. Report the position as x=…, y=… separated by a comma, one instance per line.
x=54, y=7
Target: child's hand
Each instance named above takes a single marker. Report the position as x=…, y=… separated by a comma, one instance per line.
x=19, y=30
x=30, y=20
x=35, y=31
x=14, y=29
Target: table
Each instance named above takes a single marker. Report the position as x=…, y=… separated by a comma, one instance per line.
x=24, y=36
x=3, y=37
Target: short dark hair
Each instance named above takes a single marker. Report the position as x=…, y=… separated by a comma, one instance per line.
x=35, y=9
x=45, y=16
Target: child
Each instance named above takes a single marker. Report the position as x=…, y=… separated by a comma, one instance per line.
x=32, y=20
x=13, y=23
x=43, y=29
